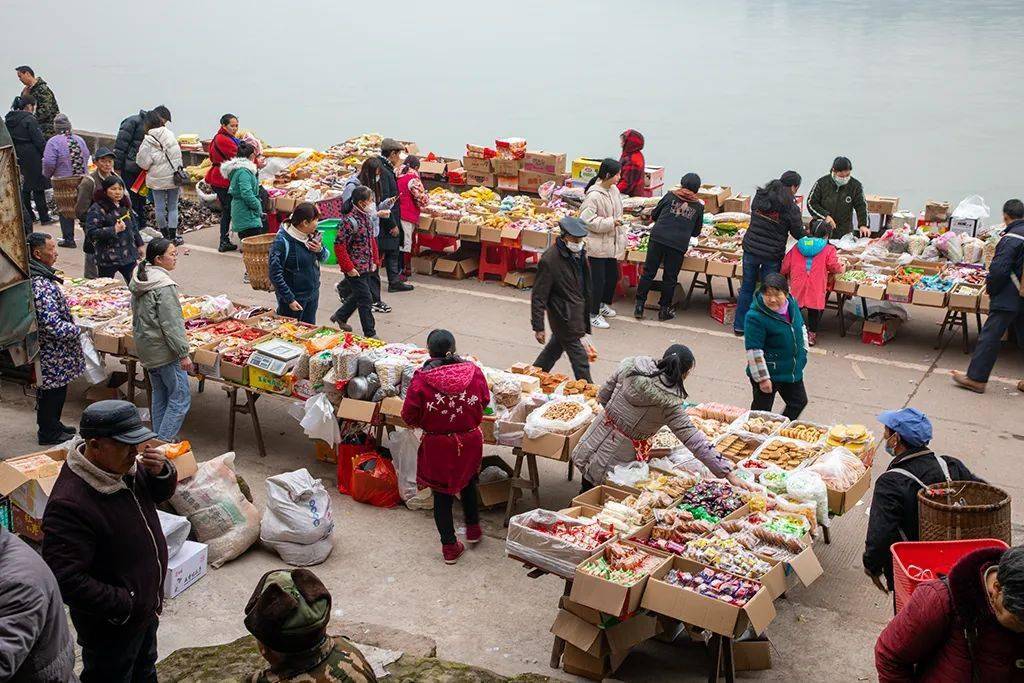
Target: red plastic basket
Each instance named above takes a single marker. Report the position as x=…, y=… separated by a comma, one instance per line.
x=909, y=557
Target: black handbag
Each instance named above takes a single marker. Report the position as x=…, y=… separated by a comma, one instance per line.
x=180, y=177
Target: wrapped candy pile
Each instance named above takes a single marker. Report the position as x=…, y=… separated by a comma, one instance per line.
x=717, y=497
x=758, y=539
x=727, y=554
x=583, y=536
x=717, y=585
x=673, y=529
x=673, y=485
x=622, y=564
x=621, y=518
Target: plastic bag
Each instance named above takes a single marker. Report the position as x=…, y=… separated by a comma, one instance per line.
x=917, y=243
x=95, y=368
x=404, y=445
x=537, y=425
x=839, y=468
x=176, y=529
x=298, y=521
x=216, y=308
x=374, y=481
x=730, y=217
x=389, y=370
x=629, y=474
x=219, y=513
x=346, y=361
x=808, y=485
x=318, y=421
x=877, y=309
x=950, y=245
x=351, y=447
x=972, y=207
x=526, y=542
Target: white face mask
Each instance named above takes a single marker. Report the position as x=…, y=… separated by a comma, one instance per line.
x=840, y=181
x=574, y=247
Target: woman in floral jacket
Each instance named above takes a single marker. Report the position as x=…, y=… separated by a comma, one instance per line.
x=60, y=349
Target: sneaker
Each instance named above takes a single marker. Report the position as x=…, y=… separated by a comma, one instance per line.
x=607, y=311
x=227, y=246
x=638, y=312
x=54, y=439
x=599, y=322
x=400, y=287
x=245, y=278
x=812, y=338
x=968, y=383
x=178, y=241
x=451, y=551
x=380, y=307
x=738, y=333
x=666, y=313
x=67, y=244
x=473, y=533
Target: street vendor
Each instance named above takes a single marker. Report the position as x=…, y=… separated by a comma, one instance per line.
x=894, y=513
x=643, y=395
x=836, y=196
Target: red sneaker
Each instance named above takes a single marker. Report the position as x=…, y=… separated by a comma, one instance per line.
x=452, y=552
x=473, y=533
x=812, y=338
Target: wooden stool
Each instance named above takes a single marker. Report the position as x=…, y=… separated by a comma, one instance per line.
x=704, y=286
x=956, y=318
x=131, y=366
x=247, y=408
x=518, y=485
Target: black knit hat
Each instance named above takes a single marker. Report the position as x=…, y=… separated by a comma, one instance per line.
x=289, y=610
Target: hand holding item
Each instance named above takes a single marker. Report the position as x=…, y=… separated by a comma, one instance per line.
x=187, y=365
x=540, y=337
x=765, y=386
x=119, y=226
x=394, y=232
x=831, y=221
x=738, y=483
x=295, y=306
x=314, y=244
x=352, y=273
x=383, y=213
x=865, y=231
x=153, y=460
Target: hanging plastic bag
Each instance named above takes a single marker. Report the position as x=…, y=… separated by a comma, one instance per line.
x=95, y=368
x=318, y=420
x=972, y=207
x=350, y=448
x=806, y=485
x=374, y=481
x=630, y=473
x=404, y=445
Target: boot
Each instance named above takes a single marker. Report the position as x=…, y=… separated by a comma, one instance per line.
x=473, y=533
x=227, y=246
x=968, y=383
x=638, y=311
x=452, y=552
x=666, y=313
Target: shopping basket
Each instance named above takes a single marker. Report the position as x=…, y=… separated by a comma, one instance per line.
x=955, y=510
x=256, y=256
x=914, y=562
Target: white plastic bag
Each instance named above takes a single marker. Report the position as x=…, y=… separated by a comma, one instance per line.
x=527, y=543
x=176, y=529
x=537, y=425
x=972, y=207
x=630, y=473
x=807, y=485
x=303, y=555
x=95, y=368
x=317, y=419
x=404, y=445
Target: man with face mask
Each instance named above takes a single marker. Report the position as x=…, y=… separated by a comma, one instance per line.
x=836, y=196
x=562, y=290
x=894, y=503
x=102, y=540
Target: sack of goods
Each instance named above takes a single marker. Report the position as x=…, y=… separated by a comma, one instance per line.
x=219, y=513
x=298, y=522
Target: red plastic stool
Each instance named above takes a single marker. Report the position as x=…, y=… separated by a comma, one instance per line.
x=494, y=260
x=274, y=219
x=629, y=271
x=432, y=242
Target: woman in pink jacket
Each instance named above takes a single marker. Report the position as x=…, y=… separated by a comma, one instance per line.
x=810, y=265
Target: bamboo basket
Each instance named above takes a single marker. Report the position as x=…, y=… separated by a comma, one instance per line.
x=65, y=193
x=967, y=509
x=256, y=256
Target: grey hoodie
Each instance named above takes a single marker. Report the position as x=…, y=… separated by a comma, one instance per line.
x=157, y=324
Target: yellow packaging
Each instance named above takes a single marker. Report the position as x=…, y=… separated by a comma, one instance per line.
x=267, y=381
x=584, y=168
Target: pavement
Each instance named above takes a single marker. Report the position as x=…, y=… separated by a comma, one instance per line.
x=386, y=567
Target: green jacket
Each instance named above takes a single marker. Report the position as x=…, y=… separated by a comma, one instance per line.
x=784, y=343
x=246, y=210
x=157, y=324
x=336, y=660
x=828, y=199
x=46, y=105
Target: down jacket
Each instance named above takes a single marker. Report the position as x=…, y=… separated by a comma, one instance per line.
x=771, y=226
x=1003, y=281
x=244, y=188
x=810, y=265
x=126, y=146
x=112, y=248
x=562, y=290
x=636, y=407
x=601, y=208
x=160, y=156
x=157, y=323
x=60, y=346
x=29, y=145
x=927, y=641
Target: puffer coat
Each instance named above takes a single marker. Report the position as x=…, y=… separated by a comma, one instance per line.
x=636, y=407
x=601, y=208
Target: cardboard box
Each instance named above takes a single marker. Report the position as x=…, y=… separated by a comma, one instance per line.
x=28, y=479
x=476, y=166
x=714, y=202
x=845, y=287
x=839, y=502
x=511, y=233
x=106, y=342
x=964, y=298
x=535, y=240
x=723, y=311
x=928, y=297
x=871, y=291
x=128, y=345
x=554, y=446
x=437, y=167
x=357, y=411
x=425, y=262
x=752, y=655
x=886, y=206
x=25, y=525
x=598, y=640
x=207, y=360
x=654, y=176
x=530, y=181
x=803, y=568
x=721, y=268
x=607, y=596
x=456, y=268
x=446, y=226
x=579, y=663
x=585, y=168
x=984, y=301
x=599, y=495
x=239, y=374
x=267, y=381
x=636, y=256
x=185, y=465
x=184, y=568
x=540, y=161
x=426, y=223
x=488, y=234
x=325, y=452
x=507, y=183
x=739, y=203
x=879, y=333
x=286, y=204
x=469, y=230
x=899, y=292
x=495, y=492
x=708, y=613
x=695, y=264
x=481, y=179
x=520, y=279
x=506, y=167
x=936, y=211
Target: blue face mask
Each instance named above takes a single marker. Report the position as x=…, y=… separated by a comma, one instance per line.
x=890, y=448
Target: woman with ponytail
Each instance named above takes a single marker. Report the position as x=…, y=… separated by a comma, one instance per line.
x=606, y=241
x=641, y=397
x=159, y=332
x=446, y=399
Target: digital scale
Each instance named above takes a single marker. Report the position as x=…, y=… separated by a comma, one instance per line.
x=275, y=356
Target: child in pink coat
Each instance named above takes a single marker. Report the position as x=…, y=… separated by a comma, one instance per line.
x=810, y=265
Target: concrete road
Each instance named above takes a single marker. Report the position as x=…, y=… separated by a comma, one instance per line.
x=386, y=566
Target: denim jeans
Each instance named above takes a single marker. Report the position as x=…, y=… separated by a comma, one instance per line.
x=309, y=303
x=166, y=204
x=171, y=399
x=754, y=270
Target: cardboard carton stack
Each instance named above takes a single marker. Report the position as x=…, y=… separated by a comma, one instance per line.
x=596, y=644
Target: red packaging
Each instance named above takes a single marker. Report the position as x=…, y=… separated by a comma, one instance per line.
x=723, y=311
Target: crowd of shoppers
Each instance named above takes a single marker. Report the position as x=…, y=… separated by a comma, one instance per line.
x=130, y=135
x=112, y=230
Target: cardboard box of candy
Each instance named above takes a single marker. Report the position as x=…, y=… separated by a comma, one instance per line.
x=613, y=579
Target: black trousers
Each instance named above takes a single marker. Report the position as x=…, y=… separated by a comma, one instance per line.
x=39, y=197
x=814, y=319
x=361, y=299
x=110, y=271
x=793, y=393
x=49, y=406
x=138, y=201
x=669, y=260
x=393, y=266
x=251, y=232
x=224, y=197
x=573, y=348
x=604, y=275
x=443, y=504
x=991, y=339
x=586, y=484
x=128, y=660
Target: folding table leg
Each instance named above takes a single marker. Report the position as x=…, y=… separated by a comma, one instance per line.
x=232, y=394
x=962, y=316
x=251, y=398
x=513, y=492
x=568, y=475
x=947, y=323
x=531, y=463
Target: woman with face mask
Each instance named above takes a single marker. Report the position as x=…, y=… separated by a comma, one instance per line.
x=836, y=196
x=776, y=344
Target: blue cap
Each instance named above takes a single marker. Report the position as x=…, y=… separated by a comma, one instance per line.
x=911, y=424
x=572, y=226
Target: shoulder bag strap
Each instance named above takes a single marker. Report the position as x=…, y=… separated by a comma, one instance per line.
x=943, y=466
x=1013, y=276
x=905, y=473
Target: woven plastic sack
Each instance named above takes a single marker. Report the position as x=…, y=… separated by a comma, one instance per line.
x=319, y=366
x=346, y=361
x=219, y=513
x=389, y=370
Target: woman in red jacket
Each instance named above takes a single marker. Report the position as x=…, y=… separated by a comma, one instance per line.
x=223, y=147
x=631, y=182
x=446, y=399
x=966, y=628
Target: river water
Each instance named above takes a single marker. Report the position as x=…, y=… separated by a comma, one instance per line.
x=925, y=96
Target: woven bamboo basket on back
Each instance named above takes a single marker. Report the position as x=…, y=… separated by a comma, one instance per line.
x=957, y=510
x=65, y=193
x=256, y=256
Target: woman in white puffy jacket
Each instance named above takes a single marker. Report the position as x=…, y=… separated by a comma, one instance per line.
x=160, y=156
x=606, y=243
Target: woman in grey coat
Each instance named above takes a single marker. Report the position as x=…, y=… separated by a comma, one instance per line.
x=642, y=396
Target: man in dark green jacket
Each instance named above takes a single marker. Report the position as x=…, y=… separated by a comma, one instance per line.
x=836, y=196
x=46, y=102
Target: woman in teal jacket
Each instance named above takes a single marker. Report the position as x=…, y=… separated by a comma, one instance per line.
x=776, y=343
x=244, y=188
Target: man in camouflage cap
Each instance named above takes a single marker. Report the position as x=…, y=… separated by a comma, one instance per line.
x=288, y=614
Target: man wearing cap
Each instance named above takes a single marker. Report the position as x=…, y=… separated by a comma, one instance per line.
x=894, y=503
x=562, y=289
x=288, y=614
x=104, y=159
x=102, y=540
x=390, y=238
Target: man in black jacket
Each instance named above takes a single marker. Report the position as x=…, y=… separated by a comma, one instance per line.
x=562, y=289
x=126, y=147
x=894, y=503
x=390, y=239
x=836, y=197
x=1006, y=309
x=102, y=540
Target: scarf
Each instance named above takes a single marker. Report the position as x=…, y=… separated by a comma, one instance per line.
x=686, y=195
x=104, y=482
x=40, y=269
x=783, y=311
x=77, y=163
